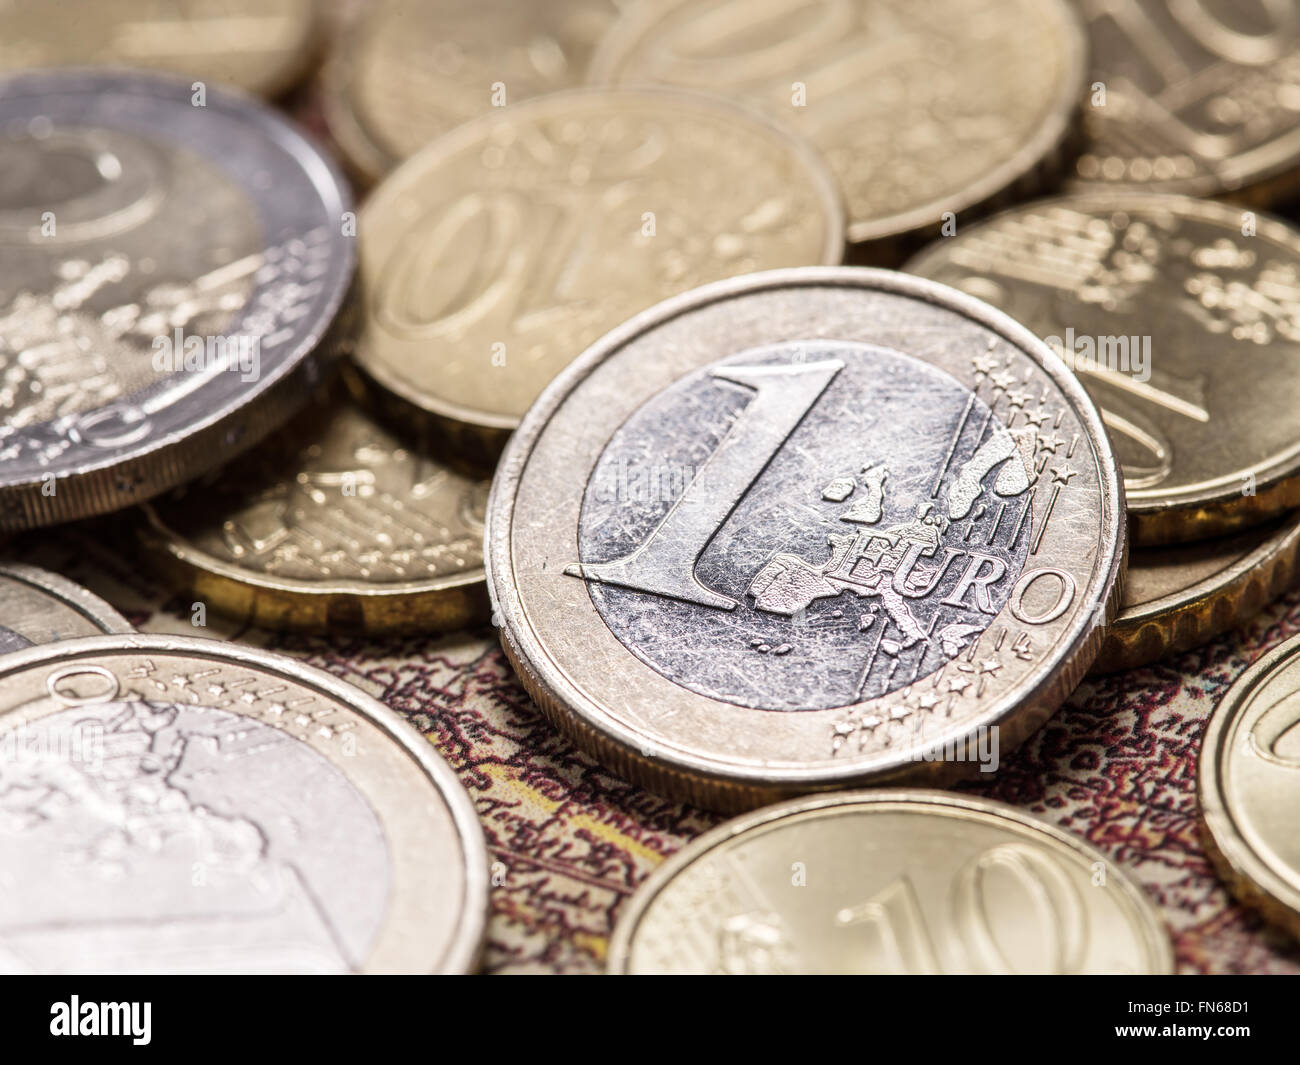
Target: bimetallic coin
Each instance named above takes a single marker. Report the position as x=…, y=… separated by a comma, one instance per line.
x=184, y=805
x=333, y=524
x=170, y=266
x=492, y=258
x=889, y=882
x=1200, y=97
x=805, y=528
x=1182, y=317
x=412, y=70
x=37, y=606
x=1179, y=596
x=1250, y=785
x=922, y=109
x=262, y=46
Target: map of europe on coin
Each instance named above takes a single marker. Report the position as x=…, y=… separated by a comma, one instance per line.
x=802, y=528
x=183, y=805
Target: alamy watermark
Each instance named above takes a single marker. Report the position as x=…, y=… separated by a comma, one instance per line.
x=1127, y=355
x=79, y=744
x=626, y=482
x=196, y=354
x=981, y=746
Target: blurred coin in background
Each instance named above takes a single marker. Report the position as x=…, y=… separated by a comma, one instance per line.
x=1200, y=97
x=496, y=255
x=889, y=882
x=410, y=70
x=330, y=525
x=1249, y=785
x=175, y=804
x=172, y=262
x=37, y=606
x=1182, y=318
x=922, y=108
x=1180, y=595
x=262, y=46
x=802, y=529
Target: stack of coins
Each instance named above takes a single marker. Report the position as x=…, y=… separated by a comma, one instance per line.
x=811, y=395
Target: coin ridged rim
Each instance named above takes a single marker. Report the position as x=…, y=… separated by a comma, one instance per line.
x=668, y=769
x=1193, y=615
x=1249, y=876
x=419, y=167
x=1033, y=163
x=70, y=594
x=1154, y=934
x=453, y=601
x=1215, y=506
x=138, y=472
x=462, y=952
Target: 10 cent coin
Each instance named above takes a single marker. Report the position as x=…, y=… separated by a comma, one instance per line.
x=889, y=882
x=491, y=259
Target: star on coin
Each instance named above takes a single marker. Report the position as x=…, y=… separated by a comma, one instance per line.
x=1062, y=474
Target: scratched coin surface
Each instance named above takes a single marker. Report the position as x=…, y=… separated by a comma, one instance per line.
x=1182, y=317
x=332, y=524
x=37, y=606
x=889, y=882
x=492, y=258
x=183, y=805
x=168, y=276
x=804, y=528
x=1181, y=595
x=920, y=108
x=1249, y=780
x=258, y=45
x=1200, y=97
x=412, y=70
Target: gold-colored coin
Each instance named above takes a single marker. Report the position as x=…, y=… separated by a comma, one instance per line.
x=1180, y=596
x=411, y=70
x=1182, y=318
x=334, y=524
x=262, y=46
x=920, y=108
x=494, y=257
x=889, y=882
x=1200, y=97
x=1250, y=785
x=41, y=607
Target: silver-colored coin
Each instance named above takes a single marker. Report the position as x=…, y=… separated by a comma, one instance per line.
x=172, y=258
x=183, y=805
x=889, y=882
x=37, y=606
x=806, y=528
